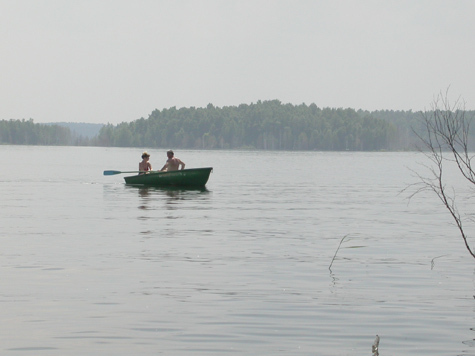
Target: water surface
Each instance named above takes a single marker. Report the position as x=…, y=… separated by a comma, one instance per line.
x=92, y=266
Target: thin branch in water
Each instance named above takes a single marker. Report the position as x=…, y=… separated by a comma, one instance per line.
x=333, y=259
x=446, y=139
x=432, y=262
x=375, y=347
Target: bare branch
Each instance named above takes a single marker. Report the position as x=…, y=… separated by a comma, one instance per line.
x=446, y=140
x=375, y=346
x=341, y=241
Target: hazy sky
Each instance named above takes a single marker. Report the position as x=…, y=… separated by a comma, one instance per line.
x=118, y=60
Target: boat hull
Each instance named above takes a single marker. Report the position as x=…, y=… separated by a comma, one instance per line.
x=193, y=177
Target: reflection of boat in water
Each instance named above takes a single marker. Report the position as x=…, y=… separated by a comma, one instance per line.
x=147, y=190
x=193, y=177
x=149, y=193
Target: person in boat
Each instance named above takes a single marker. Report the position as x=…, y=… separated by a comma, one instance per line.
x=173, y=163
x=145, y=166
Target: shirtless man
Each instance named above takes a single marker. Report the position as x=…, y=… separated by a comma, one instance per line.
x=145, y=165
x=173, y=163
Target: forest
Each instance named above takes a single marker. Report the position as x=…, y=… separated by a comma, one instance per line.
x=26, y=132
x=267, y=125
x=264, y=125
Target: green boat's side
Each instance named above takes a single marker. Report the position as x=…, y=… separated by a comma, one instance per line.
x=193, y=177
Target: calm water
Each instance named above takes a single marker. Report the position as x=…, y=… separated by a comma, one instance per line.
x=91, y=266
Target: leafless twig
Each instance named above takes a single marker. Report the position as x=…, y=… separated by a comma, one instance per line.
x=432, y=262
x=375, y=347
x=446, y=140
x=341, y=241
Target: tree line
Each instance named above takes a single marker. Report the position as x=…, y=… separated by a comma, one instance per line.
x=264, y=125
x=26, y=132
x=268, y=125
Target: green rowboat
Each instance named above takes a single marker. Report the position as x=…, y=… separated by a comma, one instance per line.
x=193, y=177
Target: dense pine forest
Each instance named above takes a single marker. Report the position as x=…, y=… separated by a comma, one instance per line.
x=26, y=132
x=267, y=125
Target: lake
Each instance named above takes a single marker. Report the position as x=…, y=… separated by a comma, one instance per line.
x=251, y=265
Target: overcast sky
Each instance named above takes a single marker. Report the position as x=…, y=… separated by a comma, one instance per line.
x=111, y=61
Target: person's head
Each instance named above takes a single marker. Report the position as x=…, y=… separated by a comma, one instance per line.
x=170, y=153
x=145, y=155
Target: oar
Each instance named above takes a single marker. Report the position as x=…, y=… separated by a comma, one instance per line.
x=111, y=173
